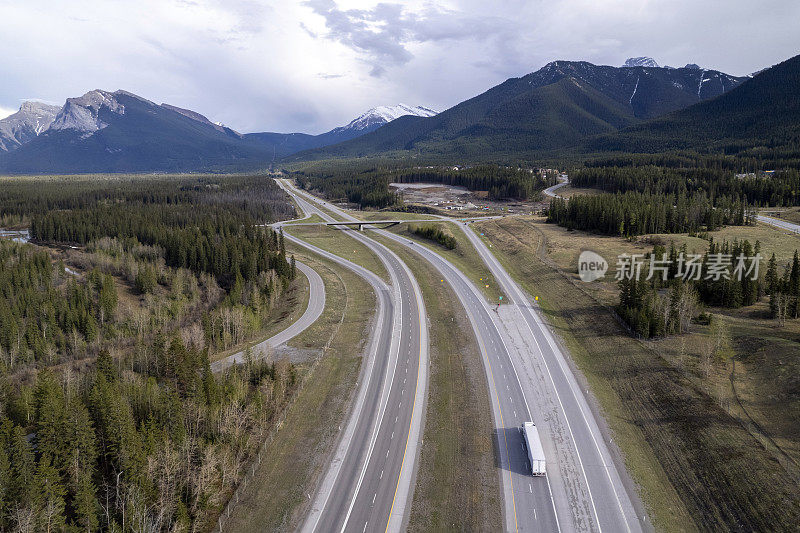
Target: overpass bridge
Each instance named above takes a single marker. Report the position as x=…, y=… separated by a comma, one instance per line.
x=383, y=224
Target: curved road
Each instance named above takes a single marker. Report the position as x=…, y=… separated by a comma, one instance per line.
x=551, y=191
x=528, y=503
x=316, y=304
x=369, y=483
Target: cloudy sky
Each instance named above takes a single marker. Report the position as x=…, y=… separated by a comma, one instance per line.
x=312, y=65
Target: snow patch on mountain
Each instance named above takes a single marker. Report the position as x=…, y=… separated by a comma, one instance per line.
x=378, y=116
x=83, y=113
x=30, y=121
x=640, y=62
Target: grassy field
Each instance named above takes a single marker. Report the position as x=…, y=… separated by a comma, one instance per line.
x=568, y=191
x=697, y=465
x=463, y=256
x=277, y=498
x=564, y=247
x=335, y=241
x=458, y=487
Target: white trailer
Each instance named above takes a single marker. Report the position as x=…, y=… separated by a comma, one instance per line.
x=535, y=450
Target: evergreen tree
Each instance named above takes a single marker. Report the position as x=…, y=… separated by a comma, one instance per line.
x=49, y=496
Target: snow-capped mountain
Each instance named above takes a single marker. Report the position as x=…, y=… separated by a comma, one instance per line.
x=554, y=107
x=283, y=144
x=32, y=119
x=640, y=62
x=378, y=116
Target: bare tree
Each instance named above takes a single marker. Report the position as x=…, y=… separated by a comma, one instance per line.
x=686, y=307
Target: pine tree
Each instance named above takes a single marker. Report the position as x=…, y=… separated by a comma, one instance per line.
x=84, y=502
x=22, y=467
x=771, y=277
x=794, y=287
x=50, y=419
x=105, y=366
x=49, y=496
x=5, y=483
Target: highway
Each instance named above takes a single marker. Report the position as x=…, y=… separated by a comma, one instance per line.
x=586, y=472
x=369, y=483
x=529, y=379
x=316, y=304
x=778, y=223
x=527, y=500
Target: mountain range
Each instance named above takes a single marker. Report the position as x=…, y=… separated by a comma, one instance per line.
x=119, y=131
x=556, y=106
x=758, y=118
x=573, y=105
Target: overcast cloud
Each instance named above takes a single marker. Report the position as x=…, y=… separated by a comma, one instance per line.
x=312, y=65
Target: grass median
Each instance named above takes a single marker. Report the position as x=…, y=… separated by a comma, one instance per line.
x=458, y=486
x=463, y=256
x=338, y=242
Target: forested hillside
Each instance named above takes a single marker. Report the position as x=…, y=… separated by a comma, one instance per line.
x=759, y=119
x=110, y=417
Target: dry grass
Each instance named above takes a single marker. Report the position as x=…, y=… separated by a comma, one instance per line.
x=568, y=191
x=389, y=215
x=792, y=214
x=697, y=466
x=337, y=242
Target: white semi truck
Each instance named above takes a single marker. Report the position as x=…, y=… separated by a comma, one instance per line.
x=535, y=451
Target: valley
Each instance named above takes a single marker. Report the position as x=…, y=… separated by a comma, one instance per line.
x=560, y=292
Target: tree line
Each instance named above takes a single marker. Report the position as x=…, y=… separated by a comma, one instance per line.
x=369, y=187
x=436, y=234
x=783, y=288
x=120, y=450
x=110, y=417
x=781, y=188
x=667, y=302
x=634, y=213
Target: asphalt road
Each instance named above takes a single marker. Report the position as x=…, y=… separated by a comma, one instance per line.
x=778, y=223
x=551, y=191
x=369, y=483
x=528, y=503
x=590, y=477
x=583, y=490
x=316, y=304
x=529, y=379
